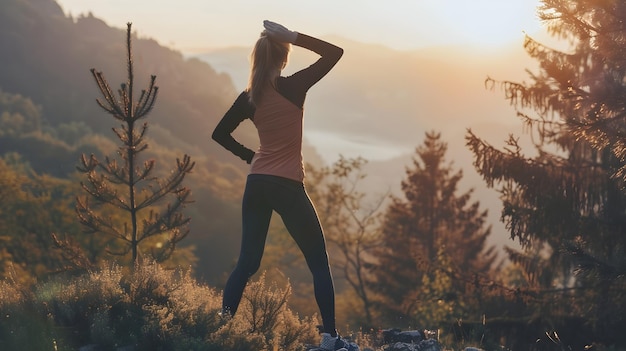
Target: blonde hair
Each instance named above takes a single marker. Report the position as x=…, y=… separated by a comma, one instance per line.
x=267, y=59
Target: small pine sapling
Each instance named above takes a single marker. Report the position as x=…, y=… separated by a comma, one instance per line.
x=127, y=185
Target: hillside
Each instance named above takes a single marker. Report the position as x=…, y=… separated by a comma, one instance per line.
x=47, y=56
x=50, y=116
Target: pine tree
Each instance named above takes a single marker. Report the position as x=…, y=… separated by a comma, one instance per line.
x=128, y=187
x=566, y=205
x=431, y=224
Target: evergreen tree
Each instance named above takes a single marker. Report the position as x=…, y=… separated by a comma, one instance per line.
x=566, y=205
x=130, y=186
x=432, y=229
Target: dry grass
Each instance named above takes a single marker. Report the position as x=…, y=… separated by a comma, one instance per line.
x=148, y=309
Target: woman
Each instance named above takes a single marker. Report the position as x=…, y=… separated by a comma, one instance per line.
x=276, y=181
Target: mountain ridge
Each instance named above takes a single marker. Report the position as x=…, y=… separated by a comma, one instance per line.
x=383, y=100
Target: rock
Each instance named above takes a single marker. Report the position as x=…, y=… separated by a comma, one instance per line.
x=424, y=345
x=401, y=346
x=429, y=345
x=391, y=336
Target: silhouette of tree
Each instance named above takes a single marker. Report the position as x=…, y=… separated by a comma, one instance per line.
x=430, y=230
x=130, y=186
x=566, y=204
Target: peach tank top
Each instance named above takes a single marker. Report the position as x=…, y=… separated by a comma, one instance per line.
x=279, y=125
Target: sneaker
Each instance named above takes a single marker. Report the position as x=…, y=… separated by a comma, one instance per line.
x=336, y=343
x=223, y=317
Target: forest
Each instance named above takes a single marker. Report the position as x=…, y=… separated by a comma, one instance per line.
x=121, y=234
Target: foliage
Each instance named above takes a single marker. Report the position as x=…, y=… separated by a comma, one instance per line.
x=436, y=297
x=266, y=312
x=18, y=115
x=129, y=187
x=33, y=206
x=430, y=230
x=565, y=205
x=23, y=131
x=149, y=308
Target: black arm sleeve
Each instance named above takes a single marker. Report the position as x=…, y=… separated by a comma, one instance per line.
x=295, y=86
x=238, y=112
x=330, y=55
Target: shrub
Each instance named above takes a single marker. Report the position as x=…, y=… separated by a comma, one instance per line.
x=264, y=311
x=150, y=308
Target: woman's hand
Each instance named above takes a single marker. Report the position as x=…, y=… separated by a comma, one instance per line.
x=279, y=33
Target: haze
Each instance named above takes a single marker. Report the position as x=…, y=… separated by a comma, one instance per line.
x=197, y=27
x=410, y=66
x=192, y=25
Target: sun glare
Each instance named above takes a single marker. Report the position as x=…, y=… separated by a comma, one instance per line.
x=484, y=22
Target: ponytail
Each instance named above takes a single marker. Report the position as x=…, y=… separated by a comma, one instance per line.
x=267, y=59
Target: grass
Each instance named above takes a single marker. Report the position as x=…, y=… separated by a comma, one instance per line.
x=148, y=309
x=153, y=308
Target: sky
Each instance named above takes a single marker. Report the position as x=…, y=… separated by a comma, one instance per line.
x=195, y=25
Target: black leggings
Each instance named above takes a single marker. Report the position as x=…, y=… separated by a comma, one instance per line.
x=264, y=194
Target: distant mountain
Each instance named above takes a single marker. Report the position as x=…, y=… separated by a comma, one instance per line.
x=381, y=100
x=378, y=102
